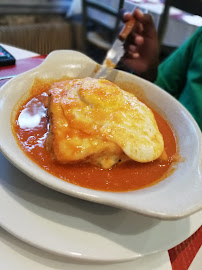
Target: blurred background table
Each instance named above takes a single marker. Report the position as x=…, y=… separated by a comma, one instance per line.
x=180, y=25
x=43, y=26
x=19, y=53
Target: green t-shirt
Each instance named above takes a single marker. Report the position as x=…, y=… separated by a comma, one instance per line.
x=181, y=75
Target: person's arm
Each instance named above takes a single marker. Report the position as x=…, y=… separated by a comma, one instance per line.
x=181, y=75
x=141, y=47
x=172, y=72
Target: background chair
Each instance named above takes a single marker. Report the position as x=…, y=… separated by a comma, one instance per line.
x=100, y=25
x=189, y=6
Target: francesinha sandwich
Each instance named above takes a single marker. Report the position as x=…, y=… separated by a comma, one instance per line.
x=93, y=120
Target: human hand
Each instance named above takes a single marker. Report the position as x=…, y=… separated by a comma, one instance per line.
x=142, y=51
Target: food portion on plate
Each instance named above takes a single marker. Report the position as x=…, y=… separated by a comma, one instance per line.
x=93, y=120
x=92, y=133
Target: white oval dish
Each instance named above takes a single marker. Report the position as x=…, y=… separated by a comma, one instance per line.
x=176, y=197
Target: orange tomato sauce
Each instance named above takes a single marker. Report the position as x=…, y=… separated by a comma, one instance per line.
x=31, y=128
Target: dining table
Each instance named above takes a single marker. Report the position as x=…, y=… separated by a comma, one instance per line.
x=181, y=25
x=22, y=255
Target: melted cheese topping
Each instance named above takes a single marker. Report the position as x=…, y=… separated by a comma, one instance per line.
x=96, y=121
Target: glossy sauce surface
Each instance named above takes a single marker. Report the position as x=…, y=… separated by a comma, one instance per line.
x=31, y=129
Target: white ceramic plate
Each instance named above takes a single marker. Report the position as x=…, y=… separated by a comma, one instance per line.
x=178, y=196
x=17, y=255
x=79, y=229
